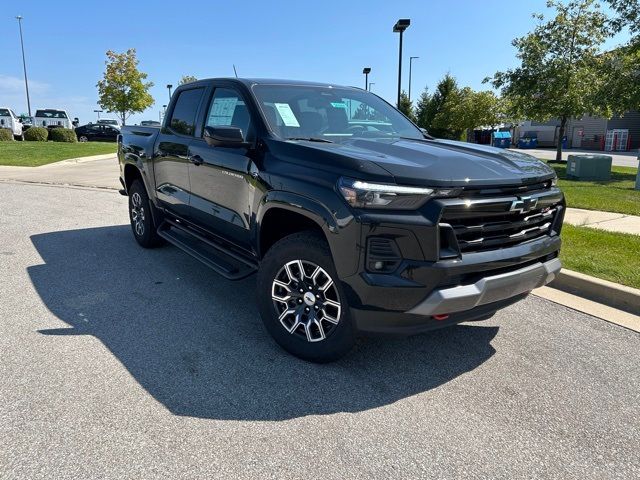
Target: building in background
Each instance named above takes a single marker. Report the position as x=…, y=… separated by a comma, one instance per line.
x=589, y=133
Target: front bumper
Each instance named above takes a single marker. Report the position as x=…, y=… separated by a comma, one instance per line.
x=463, y=303
x=402, y=323
x=487, y=290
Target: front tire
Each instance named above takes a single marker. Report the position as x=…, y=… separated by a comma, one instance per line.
x=83, y=139
x=142, y=225
x=301, y=300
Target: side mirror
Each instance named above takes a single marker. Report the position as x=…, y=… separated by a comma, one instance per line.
x=223, y=136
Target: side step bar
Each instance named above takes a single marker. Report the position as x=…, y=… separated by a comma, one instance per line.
x=224, y=261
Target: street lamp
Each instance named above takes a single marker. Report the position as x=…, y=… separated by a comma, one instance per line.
x=24, y=64
x=411, y=59
x=169, y=86
x=400, y=26
x=98, y=112
x=371, y=83
x=366, y=71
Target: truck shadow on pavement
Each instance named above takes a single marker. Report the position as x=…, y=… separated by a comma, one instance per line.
x=195, y=341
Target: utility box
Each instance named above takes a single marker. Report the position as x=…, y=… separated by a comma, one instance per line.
x=589, y=167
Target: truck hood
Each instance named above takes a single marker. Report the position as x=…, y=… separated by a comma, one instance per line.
x=443, y=162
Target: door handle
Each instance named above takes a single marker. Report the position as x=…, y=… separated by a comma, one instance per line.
x=196, y=159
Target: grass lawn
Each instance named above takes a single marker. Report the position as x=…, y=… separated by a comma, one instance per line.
x=615, y=195
x=607, y=255
x=33, y=154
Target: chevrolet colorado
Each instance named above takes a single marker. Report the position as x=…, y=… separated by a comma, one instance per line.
x=353, y=218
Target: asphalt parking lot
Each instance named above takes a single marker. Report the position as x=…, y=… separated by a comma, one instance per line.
x=118, y=362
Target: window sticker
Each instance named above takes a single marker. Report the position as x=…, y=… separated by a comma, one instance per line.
x=287, y=115
x=222, y=111
x=339, y=105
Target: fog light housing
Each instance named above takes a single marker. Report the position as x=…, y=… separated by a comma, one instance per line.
x=383, y=255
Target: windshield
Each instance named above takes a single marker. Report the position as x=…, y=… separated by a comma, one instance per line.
x=51, y=114
x=330, y=114
x=4, y=112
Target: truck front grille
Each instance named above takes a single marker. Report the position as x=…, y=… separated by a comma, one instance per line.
x=470, y=227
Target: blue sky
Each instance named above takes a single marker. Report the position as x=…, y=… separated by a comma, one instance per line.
x=329, y=41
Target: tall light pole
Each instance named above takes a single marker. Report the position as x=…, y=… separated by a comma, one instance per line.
x=371, y=83
x=366, y=71
x=24, y=64
x=169, y=86
x=98, y=112
x=400, y=26
x=411, y=59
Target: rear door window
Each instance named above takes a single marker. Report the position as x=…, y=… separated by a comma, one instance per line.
x=183, y=118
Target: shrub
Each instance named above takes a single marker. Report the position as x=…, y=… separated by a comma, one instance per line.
x=62, y=135
x=36, y=134
x=6, y=135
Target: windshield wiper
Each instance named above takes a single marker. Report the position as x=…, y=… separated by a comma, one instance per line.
x=310, y=139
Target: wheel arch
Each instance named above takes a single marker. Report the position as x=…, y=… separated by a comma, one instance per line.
x=132, y=172
x=283, y=213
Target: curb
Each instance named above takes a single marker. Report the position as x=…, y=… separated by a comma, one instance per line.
x=601, y=291
x=90, y=158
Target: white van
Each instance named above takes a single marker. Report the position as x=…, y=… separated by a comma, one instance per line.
x=9, y=120
x=52, y=118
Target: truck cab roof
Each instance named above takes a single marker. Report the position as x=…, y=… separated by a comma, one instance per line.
x=249, y=82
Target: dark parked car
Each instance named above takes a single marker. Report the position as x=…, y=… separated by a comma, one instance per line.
x=353, y=219
x=97, y=133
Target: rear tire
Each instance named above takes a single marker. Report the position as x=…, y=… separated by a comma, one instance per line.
x=83, y=139
x=142, y=224
x=301, y=300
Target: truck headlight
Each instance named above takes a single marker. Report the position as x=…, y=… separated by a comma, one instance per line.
x=360, y=194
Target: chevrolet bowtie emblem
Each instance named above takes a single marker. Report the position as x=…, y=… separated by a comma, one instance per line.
x=523, y=204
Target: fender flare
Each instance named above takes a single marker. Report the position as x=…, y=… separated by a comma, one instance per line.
x=137, y=163
x=295, y=203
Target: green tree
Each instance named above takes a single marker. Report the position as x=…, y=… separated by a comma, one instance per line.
x=436, y=112
x=621, y=66
x=450, y=111
x=559, y=74
x=627, y=14
x=187, y=79
x=406, y=106
x=621, y=70
x=423, y=112
x=123, y=88
x=475, y=109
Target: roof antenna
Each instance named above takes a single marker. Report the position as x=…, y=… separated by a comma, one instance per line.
x=234, y=71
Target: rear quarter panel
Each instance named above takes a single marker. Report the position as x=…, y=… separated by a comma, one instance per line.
x=136, y=147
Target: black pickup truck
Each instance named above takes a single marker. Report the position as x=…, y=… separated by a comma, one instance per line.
x=354, y=219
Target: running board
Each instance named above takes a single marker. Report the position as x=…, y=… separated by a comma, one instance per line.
x=224, y=261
